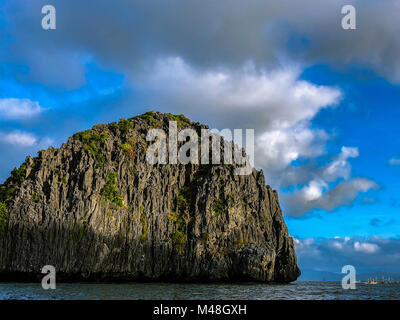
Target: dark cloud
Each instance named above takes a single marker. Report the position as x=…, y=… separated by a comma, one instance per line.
x=365, y=254
x=204, y=58
x=343, y=194
x=130, y=34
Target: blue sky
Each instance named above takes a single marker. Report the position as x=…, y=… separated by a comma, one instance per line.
x=366, y=118
x=322, y=100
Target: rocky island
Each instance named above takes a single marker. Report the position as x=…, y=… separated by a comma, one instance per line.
x=97, y=211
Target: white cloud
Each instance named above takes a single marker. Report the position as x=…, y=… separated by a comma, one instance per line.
x=18, y=109
x=337, y=245
x=19, y=138
x=275, y=103
x=264, y=31
x=340, y=167
x=316, y=195
x=277, y=149
x=347, y=245
x=394, y=162
x=25, y=139
x=333, y=253
x=314, y=190
x=280, y=107
x=207, y=81
x=366, y=247
x=273, y=100
x=371, y=254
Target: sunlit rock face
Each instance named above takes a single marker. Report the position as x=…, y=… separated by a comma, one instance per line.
x=97, y=211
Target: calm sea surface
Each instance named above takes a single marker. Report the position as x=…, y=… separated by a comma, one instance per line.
x=296, y=290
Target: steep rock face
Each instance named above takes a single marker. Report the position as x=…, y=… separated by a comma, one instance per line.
x=96, y=210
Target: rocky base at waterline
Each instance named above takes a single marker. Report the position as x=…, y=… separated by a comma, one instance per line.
x=97, y=211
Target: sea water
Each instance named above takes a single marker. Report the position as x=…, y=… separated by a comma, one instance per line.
x=298, y=290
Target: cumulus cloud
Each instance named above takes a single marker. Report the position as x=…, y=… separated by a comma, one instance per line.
x=324, y=192
x=19, y=138
x=206, y=34
x=316, y=196
x=366, y=247
x=276, y=100
x=394, y=162
x=340, y=167
x=229, y=66
x=280, y=107
x=279, y=148
x=331, y=254
x=276, y=104
x=24, y=139
x=18, y=109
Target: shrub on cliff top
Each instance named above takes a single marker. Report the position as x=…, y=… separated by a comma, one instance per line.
x=124, y=126
x=9, y=188
x=18, y=175
x=149, y=116
x=93, y=142
x=179, y=118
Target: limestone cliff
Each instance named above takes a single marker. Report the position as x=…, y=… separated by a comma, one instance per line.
x=96, y=210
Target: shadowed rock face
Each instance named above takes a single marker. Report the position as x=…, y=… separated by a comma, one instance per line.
x=97, y=211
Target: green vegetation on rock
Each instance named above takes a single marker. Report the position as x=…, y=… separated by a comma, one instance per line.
x=243, y=242
x=124, y=126
x=128, y=149
x=218, y=207
x=3, y=217
x=35, y=164
x=111, y=192
x=149, y=116
x=93, y=142
x=9, y=188
x=36, y=198
x=51, y=149
x=179, y=241
x=181, y=218
x=18, y=175
x=179, y=118
x=183, y=207
x=79, y=230
x=144, y=222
